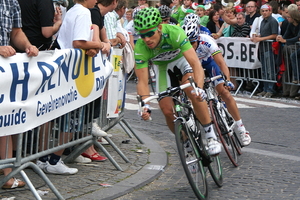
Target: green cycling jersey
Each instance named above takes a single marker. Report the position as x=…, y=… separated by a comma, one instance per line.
x=173, y=43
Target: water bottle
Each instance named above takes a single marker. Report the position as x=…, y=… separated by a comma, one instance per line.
x=191, y=123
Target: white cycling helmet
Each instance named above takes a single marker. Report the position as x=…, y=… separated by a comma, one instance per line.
x=192, y=31
x=192, y=18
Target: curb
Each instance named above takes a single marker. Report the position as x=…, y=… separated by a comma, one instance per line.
x=157, y=162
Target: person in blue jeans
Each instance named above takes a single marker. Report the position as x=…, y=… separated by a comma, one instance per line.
x=268, y=31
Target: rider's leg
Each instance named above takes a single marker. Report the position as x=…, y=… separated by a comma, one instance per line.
x=234, y=111
x=167, y=105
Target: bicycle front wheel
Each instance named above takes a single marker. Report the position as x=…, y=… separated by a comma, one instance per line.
x=227, y=138
x=190, y=158
x=212, y=162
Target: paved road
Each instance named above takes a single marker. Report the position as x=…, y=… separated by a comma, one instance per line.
x=268, y=168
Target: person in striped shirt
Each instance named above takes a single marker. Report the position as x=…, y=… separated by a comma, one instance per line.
x=242, y=28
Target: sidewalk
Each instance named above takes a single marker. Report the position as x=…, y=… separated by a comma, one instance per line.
x=144, y=167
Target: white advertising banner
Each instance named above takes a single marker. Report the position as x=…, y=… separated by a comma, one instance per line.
x=35, y=90
x=116, y=85
x=239, y=52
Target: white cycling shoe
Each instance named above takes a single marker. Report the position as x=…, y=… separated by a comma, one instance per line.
x=213, y=147
x=245, y=137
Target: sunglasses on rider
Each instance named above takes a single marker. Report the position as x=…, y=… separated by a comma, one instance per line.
x=149, y=33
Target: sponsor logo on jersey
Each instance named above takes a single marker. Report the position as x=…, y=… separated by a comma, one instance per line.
x=186, y=40
x=139, y=61
x=205, y=43
x=166, y=46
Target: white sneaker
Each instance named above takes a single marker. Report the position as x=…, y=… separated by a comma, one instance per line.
x=59, y=168
x=96, y=130
x=245, y=137
x=81, y=159
x=41, y=164
x=213, y=146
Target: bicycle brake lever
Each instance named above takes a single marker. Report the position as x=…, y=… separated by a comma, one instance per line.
x=194, y=85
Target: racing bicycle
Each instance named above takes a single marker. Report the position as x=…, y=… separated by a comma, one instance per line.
x=190, y=141
x=222, y=120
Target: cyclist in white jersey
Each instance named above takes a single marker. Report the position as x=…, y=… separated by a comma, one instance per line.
x=213, y=62
x=169, y=49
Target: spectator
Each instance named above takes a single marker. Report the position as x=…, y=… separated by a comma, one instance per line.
x=177, y=12
x=252, y=13
x=111, y=24
x=128, y=15
x=143, y=3
x=40, y=21
x=290, y=37
x=275, y=14
x=130, y=28
x=297, y=2
x=200, y=11
x=242, y=28
x=226, y=30
x=97, y=16
x=268, y=31
x=76, y=32
x=208, y=7
x=214, y=24
x=12, y=35
x=101, y=8
x=284, y=12
x=219, y=8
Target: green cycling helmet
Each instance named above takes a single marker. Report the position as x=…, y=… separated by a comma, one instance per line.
x=147, y=18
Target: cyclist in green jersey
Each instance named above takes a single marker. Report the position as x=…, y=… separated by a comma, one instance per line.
x=169, y=49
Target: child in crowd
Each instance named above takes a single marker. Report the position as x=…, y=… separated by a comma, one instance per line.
x=200, y=11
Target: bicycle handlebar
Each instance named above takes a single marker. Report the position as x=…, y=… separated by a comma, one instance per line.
x=168, y=92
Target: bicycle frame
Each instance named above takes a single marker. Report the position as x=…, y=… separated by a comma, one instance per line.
x=212, y=95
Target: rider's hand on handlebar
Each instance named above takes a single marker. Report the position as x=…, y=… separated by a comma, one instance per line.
x=229, y=85
x=146, y=113
x=200, y=94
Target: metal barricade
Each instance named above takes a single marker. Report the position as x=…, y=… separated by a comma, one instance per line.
x=291, y=75
x=265, y=75
x=72, y=130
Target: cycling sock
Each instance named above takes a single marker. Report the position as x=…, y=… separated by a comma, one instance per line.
x=209, y=131
x=54, y=159
x=239, y=126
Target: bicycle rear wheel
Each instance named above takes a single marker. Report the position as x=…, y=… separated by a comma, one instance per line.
x=237, y=143
x=227, y=139
x=212, y=162
x=189, y=154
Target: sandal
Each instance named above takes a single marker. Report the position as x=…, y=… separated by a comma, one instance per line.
x=95, y=157
x=17, y=184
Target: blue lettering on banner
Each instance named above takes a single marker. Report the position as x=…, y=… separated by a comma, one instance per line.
x=42, y=66
x=53, y=104
x=16, y=81
x=19, y=86
x=100, y=83
x=2, y=95
x=13, y=118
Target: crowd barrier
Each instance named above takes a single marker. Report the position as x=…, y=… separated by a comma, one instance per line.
x=267, y=61
x=38, y=96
